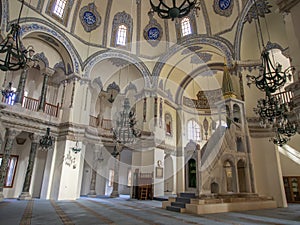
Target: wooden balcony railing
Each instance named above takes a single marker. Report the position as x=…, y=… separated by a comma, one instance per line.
x=33, y=105
x=284, y=97
x=30, y=103
x=51, y=109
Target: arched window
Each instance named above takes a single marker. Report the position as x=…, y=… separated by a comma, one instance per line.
x=59, y=7
x=168, y=122
x=186, y=27
x=121, y=35
x=59, y=10
x=194, y=132
x=122, y=31
x=229, y=176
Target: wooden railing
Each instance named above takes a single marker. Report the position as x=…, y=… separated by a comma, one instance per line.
x=51, y=109
x=284, y=97
x=30, y=103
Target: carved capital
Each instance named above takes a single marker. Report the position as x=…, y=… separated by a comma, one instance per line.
x=12, y=133
x=34, y=138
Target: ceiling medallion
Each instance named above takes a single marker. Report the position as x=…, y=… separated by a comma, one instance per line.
x=89, y=17
x=153, y=31
x=223, y=7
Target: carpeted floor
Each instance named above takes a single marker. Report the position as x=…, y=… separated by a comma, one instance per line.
x=126, y=211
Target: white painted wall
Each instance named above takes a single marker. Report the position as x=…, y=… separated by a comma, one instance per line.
x=267, y=170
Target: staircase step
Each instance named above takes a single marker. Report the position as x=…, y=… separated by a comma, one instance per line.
x=184, y=200
x=178, y=204
x=187, y=195
x=174, y=208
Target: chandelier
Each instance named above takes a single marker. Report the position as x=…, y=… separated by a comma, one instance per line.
x=125, y=131
x=12, y=52
x=269, y=109
x=171, y=9
x=271, y=77
x=46, y=141
x=274, y=110
x=275, y=113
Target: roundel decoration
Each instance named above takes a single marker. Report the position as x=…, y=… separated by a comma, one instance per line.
x=89, y=18
x=153, y=33
x=223, y=7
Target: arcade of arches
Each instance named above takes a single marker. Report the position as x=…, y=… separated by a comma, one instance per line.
x=194, y=114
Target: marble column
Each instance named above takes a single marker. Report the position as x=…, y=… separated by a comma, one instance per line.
x=10, y=137
x=47, y=72
x=115, y=191
x=21, y=86
x=25, y=195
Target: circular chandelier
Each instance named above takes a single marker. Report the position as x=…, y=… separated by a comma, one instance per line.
x=171, y=9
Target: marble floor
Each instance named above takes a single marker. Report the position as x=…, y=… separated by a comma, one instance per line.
x=127, y=211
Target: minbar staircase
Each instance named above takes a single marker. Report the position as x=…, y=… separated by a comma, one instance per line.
x=180, y=202
x=205, y=204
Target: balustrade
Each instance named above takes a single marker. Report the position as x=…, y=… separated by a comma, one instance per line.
x=32, y=104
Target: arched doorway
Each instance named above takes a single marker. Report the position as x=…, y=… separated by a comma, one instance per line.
x=169, y=174
x=228, y=168
x=192, y=175
x=241, y=168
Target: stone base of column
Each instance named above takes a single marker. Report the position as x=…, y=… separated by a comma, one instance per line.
x=92, y=194
x=25, y=196
x=114, y=194
x=1, y=196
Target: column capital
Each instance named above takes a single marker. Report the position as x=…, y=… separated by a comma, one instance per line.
x=48, y=71
x=12, y=133
x=74, y=77
x=34, y=138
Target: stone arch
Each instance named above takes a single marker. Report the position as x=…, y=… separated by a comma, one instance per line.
x=236, y=113
x=102, y=55
x=57, y=35
x=229, y=183
x=188, y=79
x=219, y=43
